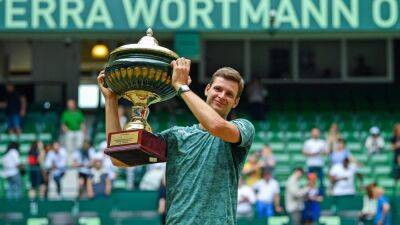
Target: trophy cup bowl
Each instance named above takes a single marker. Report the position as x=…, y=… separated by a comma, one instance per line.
x=140, y=73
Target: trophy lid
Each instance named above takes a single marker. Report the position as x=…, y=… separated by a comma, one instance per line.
x=146, y=44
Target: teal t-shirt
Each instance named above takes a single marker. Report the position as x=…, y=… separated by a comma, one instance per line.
x=203, y=173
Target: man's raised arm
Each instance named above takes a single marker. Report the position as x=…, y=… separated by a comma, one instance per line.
x=111, y=106
x=207, y=116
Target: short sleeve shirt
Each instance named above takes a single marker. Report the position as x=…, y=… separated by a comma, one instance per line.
x=313, y=146
x=72, y=119
x=266, y=190
x=344, y=186
x=202, y=174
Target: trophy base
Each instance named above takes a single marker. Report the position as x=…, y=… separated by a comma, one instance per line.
x=135, y=147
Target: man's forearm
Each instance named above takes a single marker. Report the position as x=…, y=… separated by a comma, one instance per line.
x=112, y=121
x=206, y=115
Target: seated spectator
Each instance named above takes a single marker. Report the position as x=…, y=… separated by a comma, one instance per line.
x=107, y=161
x=314, y=150
x=99, y=182
x=11, y=171
x=36, y=174
x=337, y=156
x=294, y=196
x=246, y=200
x=383, y=214
x=252, y=170
x=368, y=211
x=342, y=178
x=374, y=142
x=82, y=160
x=267, y=195
x=333, y=137
x=153, y=177
x=267, y=159
x=56, y=163
x=312, y=202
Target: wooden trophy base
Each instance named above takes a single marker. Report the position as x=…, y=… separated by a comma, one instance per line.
x=135, y=147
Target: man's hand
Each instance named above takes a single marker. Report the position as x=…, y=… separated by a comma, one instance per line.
x=107, y=93
x=180, y=74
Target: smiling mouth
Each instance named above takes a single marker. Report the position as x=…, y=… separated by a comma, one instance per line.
x=220, y=103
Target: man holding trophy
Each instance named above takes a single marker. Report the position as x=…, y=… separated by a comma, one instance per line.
x=203, y=160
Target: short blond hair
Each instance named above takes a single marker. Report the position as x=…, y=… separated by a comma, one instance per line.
x=229, y=74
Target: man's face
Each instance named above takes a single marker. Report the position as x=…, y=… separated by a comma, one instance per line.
x=315, y=133
x=71, y=104
x=56, y=146
x=221, y=95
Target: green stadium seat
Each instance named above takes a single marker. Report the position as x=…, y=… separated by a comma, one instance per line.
x=298, y=158
x=24, y=147
x=381, y=159
x=37, y=221
x=256, y=146
x=362, y=158
x=45, y=137
x=387, y=183
x=294, y=146
x=365, y=170
x=27, y=137
x=3, y=147
x=282, y=158
x=382, y=170
x=329, y=220
x=354, y=146
x=278, y=220
x=277, y=146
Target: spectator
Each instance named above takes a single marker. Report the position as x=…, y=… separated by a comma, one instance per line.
x=47, y=148
x=11, y=166
x=314, y=197
x=337, y=156
x=252, y=170
x=99, y=183
x=82, y=160
x=333, y=137
x=294, y=196
x=107, y=161
x=383, y=215
x=267, y=195
x=56, y=163
x=256, y=94
x=72, y=124
x=152, y=178
x=374, y=142
x=15, y=105
x=314, y=150
x=342, y=178
x=368, y=211
x=36, y=174
x=122, y=117
x=267, y=159
x=246, y=200
x=396, y=150
x=162, y=197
